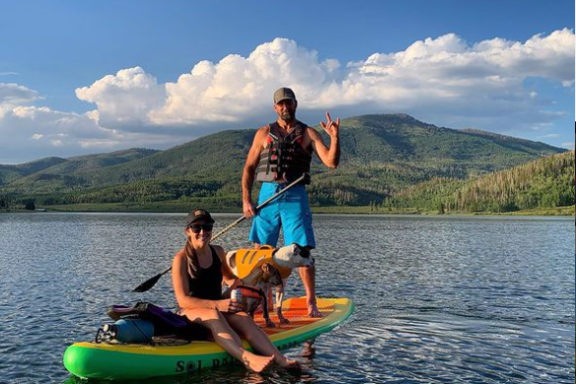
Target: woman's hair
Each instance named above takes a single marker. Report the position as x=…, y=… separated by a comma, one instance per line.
x=191, y=257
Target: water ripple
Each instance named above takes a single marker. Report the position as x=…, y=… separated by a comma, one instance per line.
x=438, y=300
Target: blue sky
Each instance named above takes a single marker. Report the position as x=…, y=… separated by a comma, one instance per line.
x=98, y=76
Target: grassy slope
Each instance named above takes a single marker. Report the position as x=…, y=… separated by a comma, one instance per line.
x=381, y=155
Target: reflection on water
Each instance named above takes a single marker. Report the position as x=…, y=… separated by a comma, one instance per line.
x=458, y=300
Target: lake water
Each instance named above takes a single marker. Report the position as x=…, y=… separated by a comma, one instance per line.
x=438, y=299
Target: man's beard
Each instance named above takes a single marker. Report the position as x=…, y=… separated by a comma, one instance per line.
x=287, y=117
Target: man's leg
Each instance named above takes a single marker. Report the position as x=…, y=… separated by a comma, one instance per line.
x=266, y=224
x=297, y=227
x=308, y=276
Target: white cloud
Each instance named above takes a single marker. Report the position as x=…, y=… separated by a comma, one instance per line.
x=236, y=88
x=442, y=80
x=484, y=81
x=14, y=95
x=36, y=131
x=124, y=99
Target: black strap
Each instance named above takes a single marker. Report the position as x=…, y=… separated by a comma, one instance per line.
x=253, y=289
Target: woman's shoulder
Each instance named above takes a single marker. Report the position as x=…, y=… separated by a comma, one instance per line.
x=179, y=257
x=219, y=250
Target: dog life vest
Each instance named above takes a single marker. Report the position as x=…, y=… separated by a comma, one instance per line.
x=283, y=158
x=248, y=259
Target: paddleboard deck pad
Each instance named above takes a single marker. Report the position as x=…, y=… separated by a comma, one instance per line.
x=139, y=361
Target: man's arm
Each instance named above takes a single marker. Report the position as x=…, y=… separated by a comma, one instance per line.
x=250, y=171
x=329, y=156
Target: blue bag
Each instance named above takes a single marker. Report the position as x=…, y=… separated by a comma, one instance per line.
x=141, y=322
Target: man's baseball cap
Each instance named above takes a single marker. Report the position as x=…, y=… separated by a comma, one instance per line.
x=198, y=216
x=284, y=94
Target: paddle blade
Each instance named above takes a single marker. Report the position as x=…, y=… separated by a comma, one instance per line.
x=148, y=284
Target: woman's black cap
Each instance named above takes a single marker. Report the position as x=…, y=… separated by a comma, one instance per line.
x=198, y=216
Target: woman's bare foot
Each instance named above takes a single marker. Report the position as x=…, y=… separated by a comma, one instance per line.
x=313, y=311
x=256, y=363
x=287, y=363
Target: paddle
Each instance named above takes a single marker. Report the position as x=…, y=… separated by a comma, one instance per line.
x=145, y=286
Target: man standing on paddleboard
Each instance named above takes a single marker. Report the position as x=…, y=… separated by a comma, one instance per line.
x=281, y=152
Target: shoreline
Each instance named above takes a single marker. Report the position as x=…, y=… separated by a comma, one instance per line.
x=354, y=210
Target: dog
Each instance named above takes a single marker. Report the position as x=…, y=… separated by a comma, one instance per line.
x=255, y=295
x=266, y=268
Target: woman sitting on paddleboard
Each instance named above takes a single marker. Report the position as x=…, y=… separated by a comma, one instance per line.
x=197, y=273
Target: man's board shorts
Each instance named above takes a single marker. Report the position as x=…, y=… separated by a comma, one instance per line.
x=289, y=211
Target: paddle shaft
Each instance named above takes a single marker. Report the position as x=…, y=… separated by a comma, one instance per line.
x=264, y=203
x=229, y=227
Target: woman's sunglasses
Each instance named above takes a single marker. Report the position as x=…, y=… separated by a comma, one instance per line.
x=196, y=228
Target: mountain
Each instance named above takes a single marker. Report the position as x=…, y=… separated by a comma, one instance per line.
x=381, y=155
x=396, y=138
x=385, y=154
x=96, y=162
x=544, y=183
x=60, y=175
x=9, y=173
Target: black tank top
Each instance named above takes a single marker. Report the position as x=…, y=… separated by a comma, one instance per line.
x=206, y=283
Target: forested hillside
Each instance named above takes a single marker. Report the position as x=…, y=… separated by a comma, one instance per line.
x=382, y=155
x=543, y=183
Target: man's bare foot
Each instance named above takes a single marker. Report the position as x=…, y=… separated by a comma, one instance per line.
x=313, y=311
x=289, y=363
x=256, y=363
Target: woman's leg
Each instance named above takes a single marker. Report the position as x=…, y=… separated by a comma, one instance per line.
x=225, y=337
x=257, y=338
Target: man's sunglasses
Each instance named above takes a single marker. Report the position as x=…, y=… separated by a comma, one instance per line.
x=196, y=228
